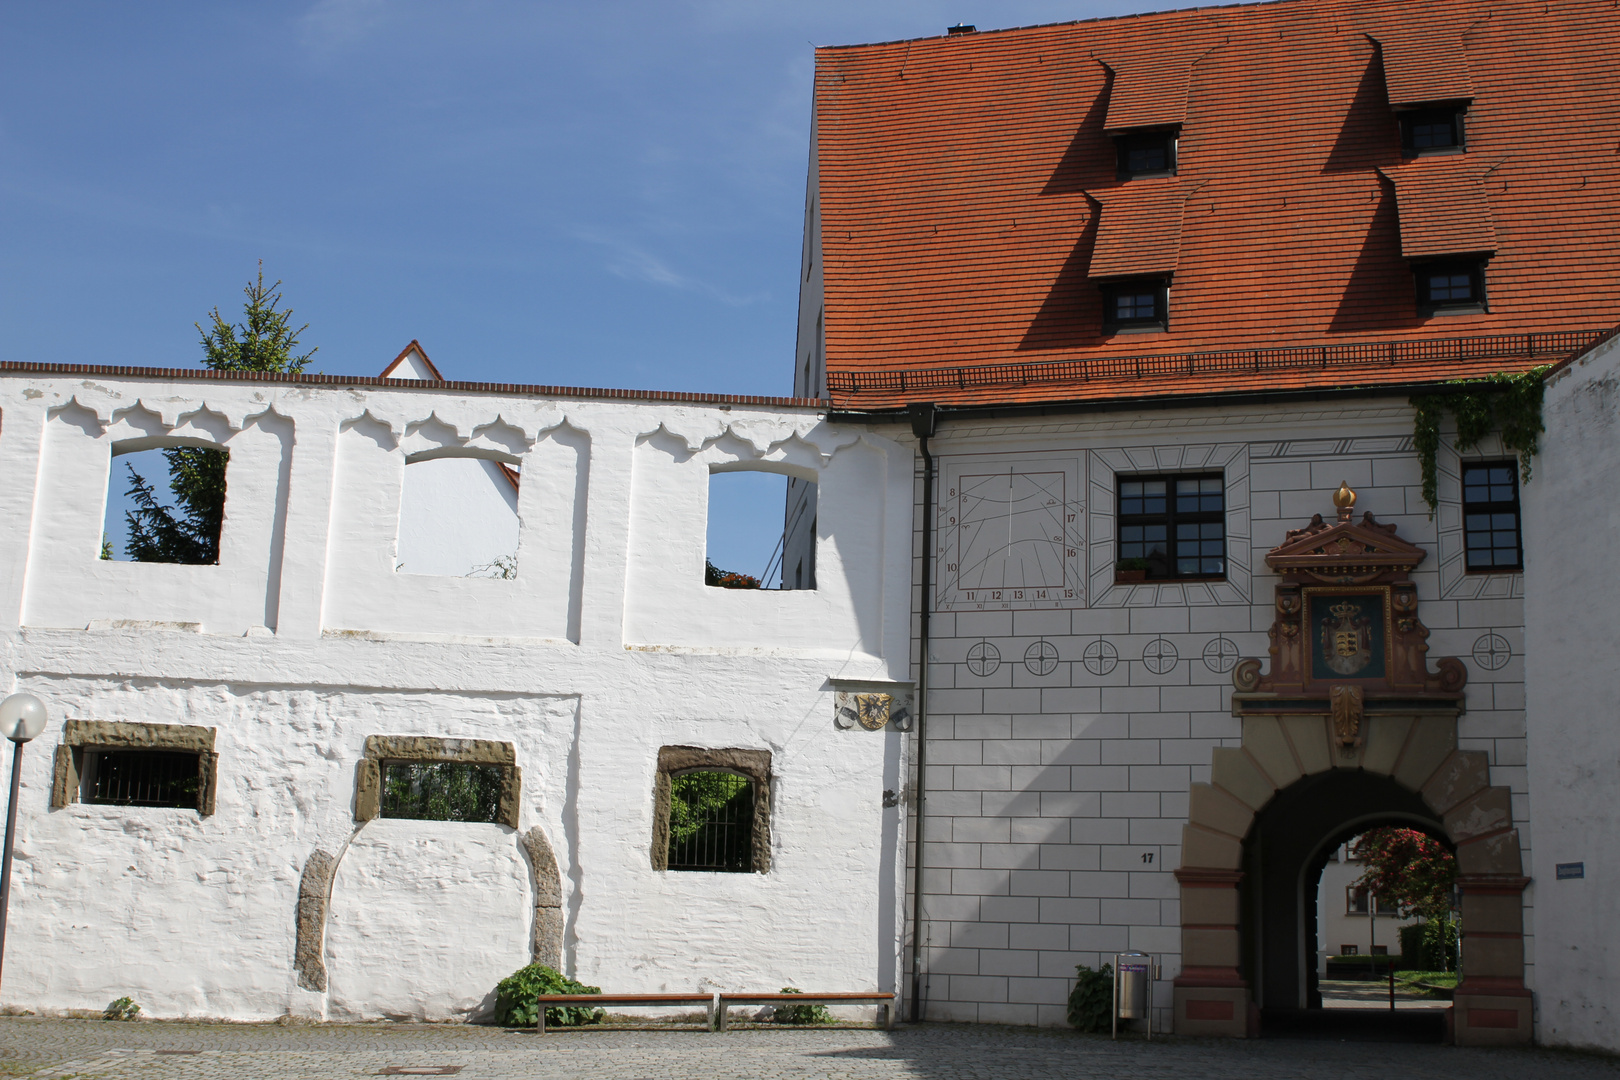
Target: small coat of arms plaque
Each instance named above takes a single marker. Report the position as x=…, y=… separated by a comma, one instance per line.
x=872, y=706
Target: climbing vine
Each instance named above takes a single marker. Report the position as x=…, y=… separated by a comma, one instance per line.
x=1510, y=404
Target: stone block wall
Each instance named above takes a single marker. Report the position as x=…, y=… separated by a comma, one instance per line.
x=1064, y=735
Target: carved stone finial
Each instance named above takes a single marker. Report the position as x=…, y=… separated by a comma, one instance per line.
x=1345, y=500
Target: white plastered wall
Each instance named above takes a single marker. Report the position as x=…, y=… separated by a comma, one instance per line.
x=196, y=916
x=1571, y=597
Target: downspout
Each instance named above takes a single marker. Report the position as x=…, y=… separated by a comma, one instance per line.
x=922, y=426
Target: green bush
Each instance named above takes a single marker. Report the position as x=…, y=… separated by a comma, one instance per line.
x=122, y=1009
x=516, y=1004
x=1430, y=945
x=1091, y=1002
x=801, y=1014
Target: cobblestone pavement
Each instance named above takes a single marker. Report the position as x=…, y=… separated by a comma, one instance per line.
x=59, y=1049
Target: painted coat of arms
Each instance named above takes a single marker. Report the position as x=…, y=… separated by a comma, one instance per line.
x=872, y=710
x=1347, y=639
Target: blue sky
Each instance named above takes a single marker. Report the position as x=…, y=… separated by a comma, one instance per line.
x=597, y=194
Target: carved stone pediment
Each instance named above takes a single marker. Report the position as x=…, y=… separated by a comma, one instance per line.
x=1347, y=552
x=1346, y=638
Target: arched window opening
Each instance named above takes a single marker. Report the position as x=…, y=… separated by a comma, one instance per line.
x=711, y=822
x=458, y=517
x=761, y=531
x=165, y=505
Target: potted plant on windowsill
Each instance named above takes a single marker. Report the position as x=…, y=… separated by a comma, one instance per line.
x=1130, y=570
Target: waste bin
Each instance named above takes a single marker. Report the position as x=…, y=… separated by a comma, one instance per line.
x=1134, y=973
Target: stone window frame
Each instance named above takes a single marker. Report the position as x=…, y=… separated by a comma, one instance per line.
x=79, y=736
x=752, y=765
x=426, y=749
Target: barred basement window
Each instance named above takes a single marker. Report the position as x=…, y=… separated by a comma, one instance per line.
x=1173, y=526
x=141, y=778
x=711, y=822
x=1491, y=517
x=424, y=778
x=441, y=791
x=712, y=810
x=120, y=763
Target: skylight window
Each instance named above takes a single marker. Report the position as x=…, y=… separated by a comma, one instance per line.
x=1147, y=152
x=1136, y=304
x=1456, y=286
x=1434, y=129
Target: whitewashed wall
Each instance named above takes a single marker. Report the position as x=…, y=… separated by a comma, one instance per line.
x=1066, y=723
x=1572, y=596
x=304, y=640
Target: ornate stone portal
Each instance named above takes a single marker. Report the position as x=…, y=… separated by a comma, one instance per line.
x=1349, y=688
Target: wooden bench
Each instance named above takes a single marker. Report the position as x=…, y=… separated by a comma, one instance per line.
x=710, y=1002
x=715, y=1004
x=728, y=1000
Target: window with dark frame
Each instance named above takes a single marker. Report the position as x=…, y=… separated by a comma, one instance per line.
x=1433, y=129
x=1491, y=517
x=1146, y=152
x=1136, y=304
x=1173, y=526
x=1450, y=286
x=141, y=778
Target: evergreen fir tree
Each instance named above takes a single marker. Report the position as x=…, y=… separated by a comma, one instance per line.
x=264, y=341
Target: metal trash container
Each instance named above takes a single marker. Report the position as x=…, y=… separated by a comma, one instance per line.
x=1134, y=973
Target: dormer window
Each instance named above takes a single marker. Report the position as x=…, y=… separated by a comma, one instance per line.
x=1133, y=305
x=1147, y=152
x=1433, y=129
x=1450, y=287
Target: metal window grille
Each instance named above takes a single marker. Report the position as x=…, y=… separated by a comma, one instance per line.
x=441, y=791
x=711, y=822
x=1491, y=516
x=1176, y=525
x=142, y=778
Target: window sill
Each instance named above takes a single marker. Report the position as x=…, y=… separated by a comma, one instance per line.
x=1155, y=328
x=1432, y=151
x=1480, y=571
x=1445, y=312
x=1121, y=578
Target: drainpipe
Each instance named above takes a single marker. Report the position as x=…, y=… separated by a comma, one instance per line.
x=922, y=426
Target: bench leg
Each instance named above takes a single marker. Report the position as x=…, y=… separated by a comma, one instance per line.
x=540, y=1019
x=888, y=1016
x=720, y=1016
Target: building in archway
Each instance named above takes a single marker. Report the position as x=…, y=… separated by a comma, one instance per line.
x=1149, y=289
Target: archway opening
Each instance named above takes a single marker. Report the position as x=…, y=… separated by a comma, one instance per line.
x=1285, y=853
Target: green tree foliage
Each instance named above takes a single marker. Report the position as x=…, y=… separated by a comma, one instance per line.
x=188, y=532
x=1091, y=1002
x=711, y=817
x=442, y=791
x=516, y=1003
x=1417, y=872
x=1507, y=403
x=727, y=579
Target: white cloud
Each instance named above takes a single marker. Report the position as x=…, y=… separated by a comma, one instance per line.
x=333, y=24
x=632, y=262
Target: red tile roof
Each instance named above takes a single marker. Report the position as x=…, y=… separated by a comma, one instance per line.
x=1138, y=229
x=1147, y=92
x=966, y=185
x=1425, y=63
x=1442, y=207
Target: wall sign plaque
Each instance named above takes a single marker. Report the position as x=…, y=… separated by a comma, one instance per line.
x=872, y=705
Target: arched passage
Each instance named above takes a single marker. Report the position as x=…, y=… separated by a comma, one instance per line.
x=1348, y=721
x=1283, y=857
x=1408, y=766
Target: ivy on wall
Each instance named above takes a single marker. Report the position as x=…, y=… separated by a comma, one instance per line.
x=1509, y=404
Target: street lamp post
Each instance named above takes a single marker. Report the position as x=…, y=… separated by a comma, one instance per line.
x=22, y=716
